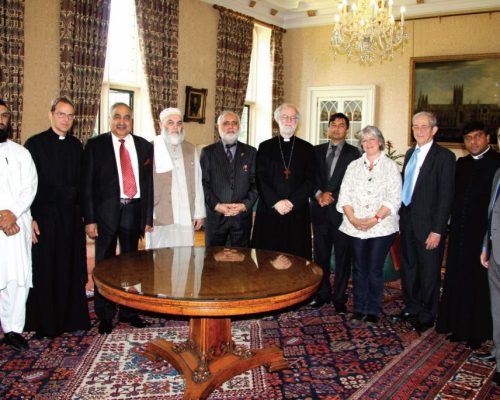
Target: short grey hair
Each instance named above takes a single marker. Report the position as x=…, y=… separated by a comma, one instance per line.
x=227, y=112
x=430, y=116
x=277, y=112
x=120, y=104
x=167, y=112
x=373, y=131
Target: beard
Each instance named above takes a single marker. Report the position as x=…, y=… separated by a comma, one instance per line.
x=286, y=131
x=173, y=138
x=228, y=138
x=4, y=134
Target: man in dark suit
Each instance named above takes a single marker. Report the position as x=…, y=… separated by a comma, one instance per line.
x=331, y=161
x=117, y=199
x=228, y=176
x=428, y=188
x=490, y=258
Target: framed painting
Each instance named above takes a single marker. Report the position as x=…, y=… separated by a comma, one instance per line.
x=457, y=89
x=196, y=100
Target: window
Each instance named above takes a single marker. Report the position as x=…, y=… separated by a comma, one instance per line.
x=356, y=102
x=258, y=100
x=124, y=78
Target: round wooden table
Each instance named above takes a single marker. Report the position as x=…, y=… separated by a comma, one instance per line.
x=209, y=285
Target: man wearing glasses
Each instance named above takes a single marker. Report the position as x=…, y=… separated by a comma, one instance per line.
x=179, y=207
x=57, y=301
x=285, y=174
x=229, y=183
x=428, y=188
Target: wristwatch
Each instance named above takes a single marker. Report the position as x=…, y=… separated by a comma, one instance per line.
x=379, y=219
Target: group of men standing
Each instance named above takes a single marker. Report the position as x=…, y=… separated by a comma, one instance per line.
x=122, y=187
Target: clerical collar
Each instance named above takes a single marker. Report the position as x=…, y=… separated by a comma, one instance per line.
x=286, y=139
x=480, y=156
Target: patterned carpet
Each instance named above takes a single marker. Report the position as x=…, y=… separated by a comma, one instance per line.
x=329, y=357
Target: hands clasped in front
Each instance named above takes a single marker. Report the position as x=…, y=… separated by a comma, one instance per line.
x=230, y=209
x=283, y=206
x=8, y=223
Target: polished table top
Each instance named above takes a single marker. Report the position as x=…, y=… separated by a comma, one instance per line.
x=198, y=281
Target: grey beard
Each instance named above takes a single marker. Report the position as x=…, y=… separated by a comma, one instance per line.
x=172, y=138
x=286, y=132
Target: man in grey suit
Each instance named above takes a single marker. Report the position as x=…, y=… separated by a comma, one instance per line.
x=228, y=177
x=428, y=188
x=331, y=161
x=490, y=258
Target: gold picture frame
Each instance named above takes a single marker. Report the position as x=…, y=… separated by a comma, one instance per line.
x=457, y=89
x=196, y=100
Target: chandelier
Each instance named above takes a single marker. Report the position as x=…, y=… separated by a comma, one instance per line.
x=368, y=31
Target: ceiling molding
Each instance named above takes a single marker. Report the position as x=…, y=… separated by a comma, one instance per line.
x=294, y=13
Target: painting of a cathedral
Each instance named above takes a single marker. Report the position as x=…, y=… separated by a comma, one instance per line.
x=458, y=90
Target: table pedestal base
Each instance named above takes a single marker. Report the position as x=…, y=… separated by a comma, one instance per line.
x=209, y=357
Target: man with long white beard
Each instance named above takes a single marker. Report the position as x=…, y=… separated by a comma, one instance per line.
x=285, y=174
x=229, y=183
x=18, y=183
x=179, y=207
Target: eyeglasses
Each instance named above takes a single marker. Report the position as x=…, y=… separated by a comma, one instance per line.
x=62, y=115
x=421, y=127
x=230, y=123
x=118, y=117
x=5, y=115
x=289, y=118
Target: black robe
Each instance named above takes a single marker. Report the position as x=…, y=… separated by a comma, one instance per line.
x=289, y=233
x=464, y=310
x=57, y=301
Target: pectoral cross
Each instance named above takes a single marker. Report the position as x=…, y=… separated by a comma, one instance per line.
x=287, y=172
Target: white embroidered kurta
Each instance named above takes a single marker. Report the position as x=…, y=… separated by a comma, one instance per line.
x=366, y=191
x=181, y=232
x=18, y=185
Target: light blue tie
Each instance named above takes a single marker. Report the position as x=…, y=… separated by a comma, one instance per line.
x=410, y=178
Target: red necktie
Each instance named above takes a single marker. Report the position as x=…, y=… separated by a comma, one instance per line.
x=129, y=186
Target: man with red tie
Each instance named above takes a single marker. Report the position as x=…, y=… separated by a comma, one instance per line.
x=117, y=199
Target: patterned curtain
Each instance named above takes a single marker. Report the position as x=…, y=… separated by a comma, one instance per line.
x=158, y=23
x=234, y=49
x=277, y=66
x=12, y=60
x=83, y=41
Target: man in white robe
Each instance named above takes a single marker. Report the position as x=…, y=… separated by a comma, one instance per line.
x=179, y=207
x=18, y=183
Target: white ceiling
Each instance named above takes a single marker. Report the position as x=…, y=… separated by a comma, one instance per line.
x=294, y=13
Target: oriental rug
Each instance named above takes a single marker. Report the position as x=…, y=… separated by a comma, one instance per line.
x=114, y=367
x=329, y=357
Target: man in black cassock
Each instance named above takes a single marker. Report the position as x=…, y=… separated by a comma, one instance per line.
x=57, y=302
x=464, y=310
x=285, y=173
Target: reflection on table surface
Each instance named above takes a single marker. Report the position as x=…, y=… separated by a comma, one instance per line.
x=204, y=274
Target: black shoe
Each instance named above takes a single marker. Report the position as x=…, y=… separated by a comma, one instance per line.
x=105, y=326
x=474, y=344
x=317, y=302
x=135, y=321
x=484, y=357
x=371, y=319
x=496, y=379
x=421, y=327
x=404, y=316
x=341, y=309
x=357, y=316
x=16, y=341
x=452, y=338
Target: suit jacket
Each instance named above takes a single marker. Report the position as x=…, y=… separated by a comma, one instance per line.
x=101, y=186
x=491, y=249
x=329, y=214
x=225, y=182
x=433, y=193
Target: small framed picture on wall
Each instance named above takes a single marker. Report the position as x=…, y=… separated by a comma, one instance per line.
x=196, y=100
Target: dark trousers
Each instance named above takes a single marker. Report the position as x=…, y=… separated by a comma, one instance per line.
x=127, y=234
x=420, y=274
x=368, y=258
x=231, y=231
x=326, y=237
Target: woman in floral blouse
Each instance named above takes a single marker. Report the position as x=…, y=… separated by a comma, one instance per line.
x=370, y=197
